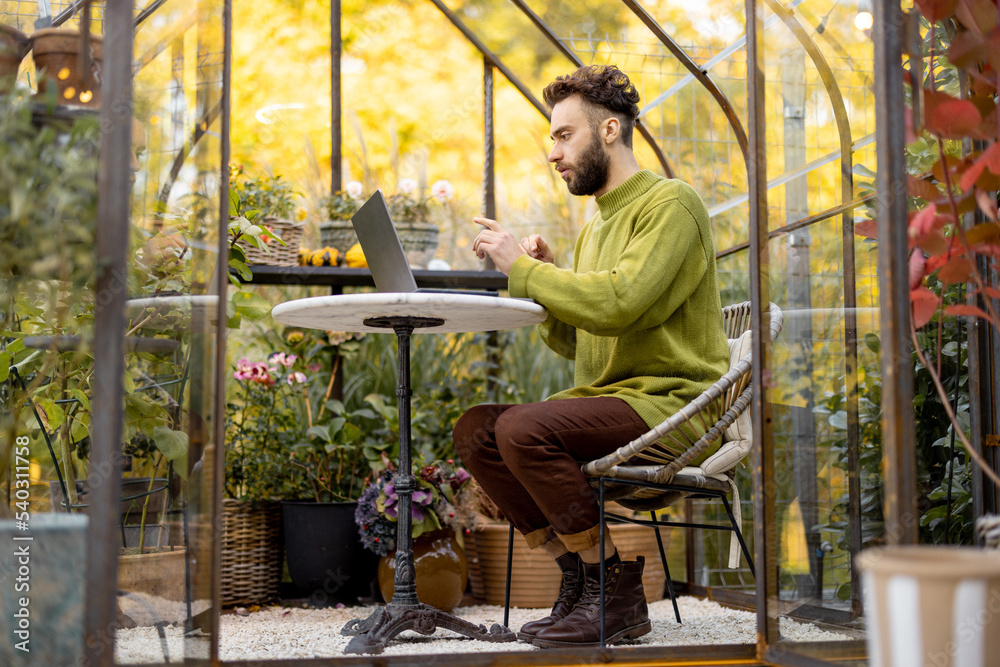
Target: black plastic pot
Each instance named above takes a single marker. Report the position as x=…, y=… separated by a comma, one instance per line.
x=326, y=561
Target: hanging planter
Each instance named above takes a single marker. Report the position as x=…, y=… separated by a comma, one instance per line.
x=57, y=53
x=13, y=47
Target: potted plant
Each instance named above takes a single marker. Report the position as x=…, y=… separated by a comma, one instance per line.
x=268, y=202
x=13, y=47
x=57, y=53
x=263, y=424
x=329, y=467
x=411, y=215
x=437, y=515
x=337, y=231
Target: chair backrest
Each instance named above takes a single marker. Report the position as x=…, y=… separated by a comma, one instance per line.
x=737, y=438
x=715, y=413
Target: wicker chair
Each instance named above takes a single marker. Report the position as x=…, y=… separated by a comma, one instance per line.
x=644, y=476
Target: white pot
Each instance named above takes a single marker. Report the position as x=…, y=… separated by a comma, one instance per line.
x=932, y=605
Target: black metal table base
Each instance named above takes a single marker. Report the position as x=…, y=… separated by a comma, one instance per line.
x=373, y=633
x=405, y=611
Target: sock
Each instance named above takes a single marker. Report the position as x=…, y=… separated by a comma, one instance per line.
x=612, y=560
x=568, y=562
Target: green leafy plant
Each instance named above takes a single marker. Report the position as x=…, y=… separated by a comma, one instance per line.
x=267, y=196
x=947, y=247
x=339, y=206
x=263, y=425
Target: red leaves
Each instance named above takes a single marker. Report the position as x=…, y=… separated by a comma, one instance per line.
x=990, y=159
x=976, y=15
x=924, y=230
x=937, y=10
x=924, y=189
x=966, y=310
x=867, y=228
x=957, y=269
x=917, y=264
x=924, y=304
x=950, y=117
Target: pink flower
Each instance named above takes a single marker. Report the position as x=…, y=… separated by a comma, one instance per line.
x=297, y=377
x=442, y=191
x=285, y=360
x=243, y=370
x=408, y=186
x=354, y=190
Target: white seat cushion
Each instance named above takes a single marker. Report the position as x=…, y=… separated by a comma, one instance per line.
x=737, y=439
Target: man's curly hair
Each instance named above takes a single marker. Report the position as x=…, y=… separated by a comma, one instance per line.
x=607, y=90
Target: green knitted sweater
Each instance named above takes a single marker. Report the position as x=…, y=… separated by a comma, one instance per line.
x=639, y=311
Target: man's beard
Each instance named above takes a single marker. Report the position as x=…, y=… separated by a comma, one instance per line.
x=590, y=174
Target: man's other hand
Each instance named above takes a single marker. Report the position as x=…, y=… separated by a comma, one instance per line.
x=537, y=248
x=498, y=243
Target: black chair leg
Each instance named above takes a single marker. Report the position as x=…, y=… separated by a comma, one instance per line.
x=601, y=554
x=739, y=536
x=510, y=560
x=666, y=568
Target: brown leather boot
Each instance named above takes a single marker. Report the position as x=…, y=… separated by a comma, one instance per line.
x=569, y=592
x=626, y=614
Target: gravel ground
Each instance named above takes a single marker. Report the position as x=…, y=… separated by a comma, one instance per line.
x=281, y=632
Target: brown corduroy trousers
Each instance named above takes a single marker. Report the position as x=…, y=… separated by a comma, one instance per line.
x=527, y=459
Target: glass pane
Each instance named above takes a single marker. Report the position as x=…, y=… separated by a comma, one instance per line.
x=48, y=195
x=169, y=449
x=819, y=117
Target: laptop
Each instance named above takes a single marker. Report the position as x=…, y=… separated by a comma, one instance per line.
x=384, y=251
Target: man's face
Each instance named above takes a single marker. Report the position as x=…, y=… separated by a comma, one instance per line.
x=138, y=147
x=578, y=152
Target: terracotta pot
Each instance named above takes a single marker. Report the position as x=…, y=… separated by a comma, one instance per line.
x=535, y=579
x=442, y=571
x=932, y=605
x=57, y=58
x=13, y=47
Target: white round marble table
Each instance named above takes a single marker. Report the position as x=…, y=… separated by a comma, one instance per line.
x=405, y=313
x=459, y=312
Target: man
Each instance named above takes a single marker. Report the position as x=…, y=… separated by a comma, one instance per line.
x=640, y=314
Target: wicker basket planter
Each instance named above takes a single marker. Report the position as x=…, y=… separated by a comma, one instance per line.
x=13, y=47
x=279, y=255
x=536, y=577
x=251, y=552
x=56, y=52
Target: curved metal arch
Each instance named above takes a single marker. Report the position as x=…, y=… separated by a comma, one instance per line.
x=491, y=57
x=547, y=31
x=697, y=72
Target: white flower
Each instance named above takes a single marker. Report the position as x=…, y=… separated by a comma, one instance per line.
x=408, y=186
x=355, y=190
x=442, y=190
x=297, y=376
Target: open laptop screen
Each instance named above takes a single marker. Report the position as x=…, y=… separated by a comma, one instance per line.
x=384, y=252
x=382, y=247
